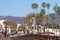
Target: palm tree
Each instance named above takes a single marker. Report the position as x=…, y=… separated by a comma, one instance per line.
x=57, y=9
x=34, y=6
x=47, y=19
x=5, y=24
x=13, y=25
x=48, y=6
x=10, y=23
x=52, y=16
x=42, y=13
x=38, y=20
x=43, y=5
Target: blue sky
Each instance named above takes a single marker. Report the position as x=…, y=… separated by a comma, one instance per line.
x=22, y=7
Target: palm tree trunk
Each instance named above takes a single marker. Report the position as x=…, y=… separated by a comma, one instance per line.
x=47, y=25
x=34, y=11
x=52, y=25
x=44, y=23
x=48, y=11
x=40, y=26
x=5, y=30
x=48, y=19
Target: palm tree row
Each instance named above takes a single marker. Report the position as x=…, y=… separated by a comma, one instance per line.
x=40, y=17
x=12, y=24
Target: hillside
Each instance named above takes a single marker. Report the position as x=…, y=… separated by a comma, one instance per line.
x=12, y=18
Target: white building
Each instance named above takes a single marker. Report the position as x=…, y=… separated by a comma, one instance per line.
x=2, y=26
x=1, y=23
x=18, y=26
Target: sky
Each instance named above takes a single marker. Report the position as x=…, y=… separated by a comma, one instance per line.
x=22, y=7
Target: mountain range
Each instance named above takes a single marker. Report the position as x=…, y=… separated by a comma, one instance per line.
x=19, y=20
